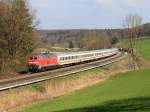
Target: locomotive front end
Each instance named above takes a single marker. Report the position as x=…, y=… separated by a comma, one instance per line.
x=33, y=64
x=41, y=62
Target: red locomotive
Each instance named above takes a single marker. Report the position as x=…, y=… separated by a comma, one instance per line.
x=43, y=61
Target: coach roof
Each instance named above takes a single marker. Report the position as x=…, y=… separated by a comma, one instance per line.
x=83, y=52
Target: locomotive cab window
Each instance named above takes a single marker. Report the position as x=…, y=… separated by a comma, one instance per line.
x=33, y=58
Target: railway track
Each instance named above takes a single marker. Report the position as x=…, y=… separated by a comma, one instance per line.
x=43, y=76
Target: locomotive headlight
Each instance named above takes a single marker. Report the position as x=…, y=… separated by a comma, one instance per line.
x=36, y=62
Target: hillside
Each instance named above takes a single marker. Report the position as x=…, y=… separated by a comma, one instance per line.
x=124, y=92
x=144, y=48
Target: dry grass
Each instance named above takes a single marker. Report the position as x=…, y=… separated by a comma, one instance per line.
x=12, y=99
x=142, y=63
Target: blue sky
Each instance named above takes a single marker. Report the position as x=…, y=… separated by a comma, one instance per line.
x=87, y=14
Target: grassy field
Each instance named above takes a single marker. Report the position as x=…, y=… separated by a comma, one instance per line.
x=144, y=48
x=125, y=92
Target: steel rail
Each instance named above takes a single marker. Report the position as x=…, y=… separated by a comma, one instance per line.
x=39, y=77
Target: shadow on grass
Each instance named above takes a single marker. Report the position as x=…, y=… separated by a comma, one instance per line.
x=130, y=105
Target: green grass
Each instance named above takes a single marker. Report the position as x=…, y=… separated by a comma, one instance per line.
x=144, y=48
x=126, y=92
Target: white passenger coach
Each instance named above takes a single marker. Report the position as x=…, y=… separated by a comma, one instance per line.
x=76, y=57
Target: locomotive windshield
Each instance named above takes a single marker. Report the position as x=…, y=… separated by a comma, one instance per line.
x=33, y=58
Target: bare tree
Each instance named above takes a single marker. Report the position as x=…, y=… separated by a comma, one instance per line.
x=17, y=28
x=2, y=40
x=89, y=40
x=132, y=25
x=103, y=41
x=71, y=45
x=93, y=41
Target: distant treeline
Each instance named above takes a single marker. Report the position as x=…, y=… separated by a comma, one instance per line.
x=66, y=37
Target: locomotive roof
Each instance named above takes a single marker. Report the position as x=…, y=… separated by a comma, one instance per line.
x=42, y=54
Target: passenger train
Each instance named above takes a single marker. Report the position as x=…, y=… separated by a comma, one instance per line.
x=44, y=61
